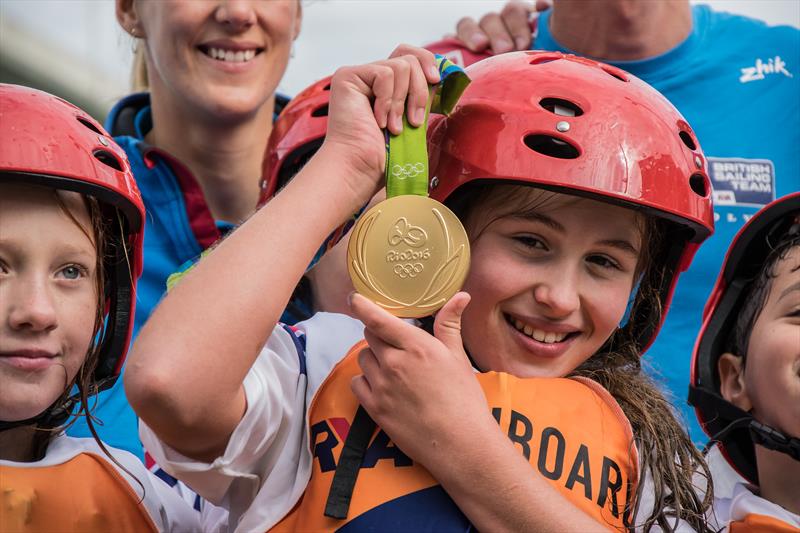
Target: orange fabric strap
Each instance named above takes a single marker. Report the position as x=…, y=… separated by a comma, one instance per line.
x=757, y=523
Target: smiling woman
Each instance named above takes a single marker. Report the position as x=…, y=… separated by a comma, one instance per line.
x=197, y=139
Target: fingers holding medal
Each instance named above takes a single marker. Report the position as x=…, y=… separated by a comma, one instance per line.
x=367, y=99
x=410, y=254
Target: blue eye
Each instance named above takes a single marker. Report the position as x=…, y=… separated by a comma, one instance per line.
x=72, y=272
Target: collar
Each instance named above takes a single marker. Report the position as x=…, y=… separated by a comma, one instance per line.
x=132, y=115
x=652, y=68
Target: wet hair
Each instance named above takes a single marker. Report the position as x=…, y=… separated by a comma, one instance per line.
x=756, y=296
x=667, y=455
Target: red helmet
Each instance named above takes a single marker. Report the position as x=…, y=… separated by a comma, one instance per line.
x=49, y=142
x=733, y=428
x=578, y=126
x=296, y=136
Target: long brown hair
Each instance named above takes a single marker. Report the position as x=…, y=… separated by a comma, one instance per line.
x=667, y=456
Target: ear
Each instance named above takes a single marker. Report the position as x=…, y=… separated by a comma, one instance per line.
x=128, y=18
x=732, y=383
x=298, y=20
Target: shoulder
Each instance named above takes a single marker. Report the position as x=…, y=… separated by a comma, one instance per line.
x=328, y=337
x=310, y=348
x=121, y=119
x=744, y=505
x=745, y=31
x=121, y=469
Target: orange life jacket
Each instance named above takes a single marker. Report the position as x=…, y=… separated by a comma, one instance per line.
x=84, y=494
x=759, y=523
x=571, y=430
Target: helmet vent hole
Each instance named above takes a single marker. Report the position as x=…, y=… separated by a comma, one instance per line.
x=615, y=72
x=562, y=108
x=699, y=185
x=89, y=125
x=327, y=87
x=551, y=146
x=687, y=140
x=543, y=58
x=321, y=111
x=108, y=159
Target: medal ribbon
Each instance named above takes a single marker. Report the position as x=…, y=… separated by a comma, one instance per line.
x=406, y=173
x=407, y=153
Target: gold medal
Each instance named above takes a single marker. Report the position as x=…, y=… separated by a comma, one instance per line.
x=409, y=254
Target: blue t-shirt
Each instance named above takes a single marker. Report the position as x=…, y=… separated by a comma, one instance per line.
x=737, y=82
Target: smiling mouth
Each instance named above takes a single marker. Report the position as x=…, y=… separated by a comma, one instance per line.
x=543, y=336
x=230, y=56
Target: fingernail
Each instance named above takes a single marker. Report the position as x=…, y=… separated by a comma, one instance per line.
x=476, y=40
x=350, y=298
x=434, y=72
x=419, y=116
x=522, y=43
x=503, y=45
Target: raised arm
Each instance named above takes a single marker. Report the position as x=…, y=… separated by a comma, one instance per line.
x=185, y=371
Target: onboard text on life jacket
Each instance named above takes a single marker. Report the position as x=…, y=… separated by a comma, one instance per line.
x=571, y=430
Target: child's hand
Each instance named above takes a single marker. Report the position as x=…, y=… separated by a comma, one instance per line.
x=420, y=389
x=368, y=98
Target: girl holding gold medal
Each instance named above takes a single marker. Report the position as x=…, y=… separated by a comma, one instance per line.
x=522, y=406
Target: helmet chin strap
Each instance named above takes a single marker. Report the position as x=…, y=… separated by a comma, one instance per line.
x=760, y=434
x=772, y=439
x=52, y=417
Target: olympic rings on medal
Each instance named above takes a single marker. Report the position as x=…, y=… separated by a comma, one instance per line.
x=409, y=170
x=408, y=270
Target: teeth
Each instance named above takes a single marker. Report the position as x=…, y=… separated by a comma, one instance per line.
x=547, y=337
x=229, y=55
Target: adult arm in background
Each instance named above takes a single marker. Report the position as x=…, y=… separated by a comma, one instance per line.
x=185, y=372
x=497, y=33
x=609, y=30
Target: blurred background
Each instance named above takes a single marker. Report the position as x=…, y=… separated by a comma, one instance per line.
x=74, y=48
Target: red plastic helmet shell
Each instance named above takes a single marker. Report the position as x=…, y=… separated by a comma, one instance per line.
x=743, y=262
x=296, y=135
x=47, y=141
x=577, y=126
